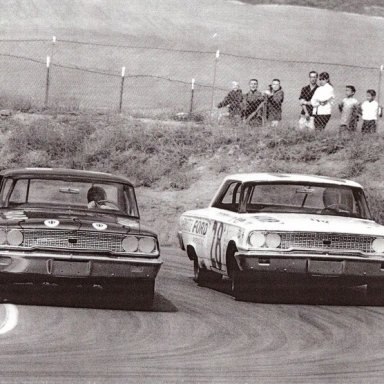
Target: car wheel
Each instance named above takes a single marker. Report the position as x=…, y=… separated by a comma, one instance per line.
x=136, y=294
x=375, y=289
x=144, y=293
x=202, y=276
x=239, y=286
x=245, y=288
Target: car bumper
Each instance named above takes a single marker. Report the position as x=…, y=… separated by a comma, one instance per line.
x=312, y=265
x=76, y=266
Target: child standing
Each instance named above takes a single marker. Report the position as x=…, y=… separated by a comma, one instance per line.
x=370, y=112
x=349, y=110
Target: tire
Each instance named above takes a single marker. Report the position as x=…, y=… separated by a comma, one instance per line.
x=246, y=288
x=135, y=294
x=239, y=282
x=375, y=289
x=239, y=286
x=144, y=294
x=202, y=276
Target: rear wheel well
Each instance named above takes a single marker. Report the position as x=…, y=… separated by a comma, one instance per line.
x=191, y=253
x=230, y=258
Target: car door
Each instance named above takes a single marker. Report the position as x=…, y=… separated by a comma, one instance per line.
x=225, y=209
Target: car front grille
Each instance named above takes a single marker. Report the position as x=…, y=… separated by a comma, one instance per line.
x=336, y=241
x=84, y=240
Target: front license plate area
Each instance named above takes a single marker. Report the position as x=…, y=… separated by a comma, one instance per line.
x=70, y=268
x=321, y=267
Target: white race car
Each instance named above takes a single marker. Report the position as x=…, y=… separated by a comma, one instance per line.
x=268, y=231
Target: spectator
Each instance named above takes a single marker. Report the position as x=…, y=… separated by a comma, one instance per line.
x=306, y=94
x=322, y=101
x=234, y=101
x=252, y=103
x=275, y=98
x=349, y=110
x=370, y=111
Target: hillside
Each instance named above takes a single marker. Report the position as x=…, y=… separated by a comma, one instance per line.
x=369, y=7
x=232, y=26
x=178, y=166
x=240, y=27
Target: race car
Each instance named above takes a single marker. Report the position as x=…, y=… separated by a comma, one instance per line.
x=66, y=226
x=270, y=231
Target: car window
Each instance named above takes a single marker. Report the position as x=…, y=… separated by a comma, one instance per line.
x=300, y=198
x=230, y=198
x=6, y=186
x=130, y=202
x=19, y=192
x=77, y=194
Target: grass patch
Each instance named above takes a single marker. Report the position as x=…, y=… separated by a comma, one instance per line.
x=172, y=157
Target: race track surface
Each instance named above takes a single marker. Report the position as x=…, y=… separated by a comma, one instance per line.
x=193, y=335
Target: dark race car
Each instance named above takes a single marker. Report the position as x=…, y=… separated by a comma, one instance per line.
x=63, y=226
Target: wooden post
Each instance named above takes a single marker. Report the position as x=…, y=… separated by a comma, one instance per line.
x=214, y=79
x=53, y=47
x=192, y=94
x=47, y=83
x=380, y=81
x=121, y=88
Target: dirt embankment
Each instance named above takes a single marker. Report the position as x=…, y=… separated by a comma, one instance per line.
x=178, y=166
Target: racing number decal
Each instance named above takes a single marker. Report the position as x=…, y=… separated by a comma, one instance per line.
x=216, y=244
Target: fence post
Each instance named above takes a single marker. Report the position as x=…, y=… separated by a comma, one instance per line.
x=380, y=81
x=214, y=79
x=47, y=83
x=53, y=47
x=122, y=88
x=192, y=94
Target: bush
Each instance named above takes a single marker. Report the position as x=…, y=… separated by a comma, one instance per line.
x=160, y=153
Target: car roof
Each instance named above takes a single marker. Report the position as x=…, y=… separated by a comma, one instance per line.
x=290, y=177
x=63, y=173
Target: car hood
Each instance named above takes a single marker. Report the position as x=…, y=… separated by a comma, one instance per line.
x=69, y=220
x=310, y=223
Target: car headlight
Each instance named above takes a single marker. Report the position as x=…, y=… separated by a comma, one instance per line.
x=3, y=236
x=378, y=245
x=272, y=240
x=256, y=239
x=147, y=244
x=15, y=237
x=130, y=244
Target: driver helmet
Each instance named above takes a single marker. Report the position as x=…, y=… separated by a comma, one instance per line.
x=337, y=196
x=96, y=193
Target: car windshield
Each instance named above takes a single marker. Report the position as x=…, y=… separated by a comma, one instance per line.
x=111, y=197
x=330, y=199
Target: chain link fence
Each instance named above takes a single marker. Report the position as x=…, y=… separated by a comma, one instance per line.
x=155, y=80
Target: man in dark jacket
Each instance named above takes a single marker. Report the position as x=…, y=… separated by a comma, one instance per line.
x=252, y=104
x=275, y=98
x=306, y=96
x=234, y=101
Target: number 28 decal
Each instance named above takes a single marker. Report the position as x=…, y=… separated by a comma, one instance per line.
x=216, y=253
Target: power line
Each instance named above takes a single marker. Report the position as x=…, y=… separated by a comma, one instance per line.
x=134, y=46
x=125, y=46
x=295, y=61
x=24, y=40
x=103, y=72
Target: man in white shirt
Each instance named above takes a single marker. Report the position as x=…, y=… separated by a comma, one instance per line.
x=322, y=101
x=369, y=113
